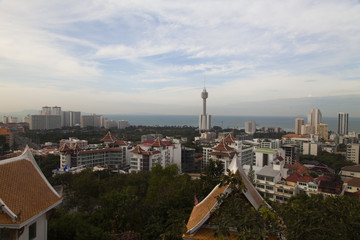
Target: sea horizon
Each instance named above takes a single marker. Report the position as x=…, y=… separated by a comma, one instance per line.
x=287, y=123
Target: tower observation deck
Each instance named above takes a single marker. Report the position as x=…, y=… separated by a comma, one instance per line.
x=204, y=119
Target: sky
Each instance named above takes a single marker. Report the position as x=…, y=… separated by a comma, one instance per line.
x=132, y=57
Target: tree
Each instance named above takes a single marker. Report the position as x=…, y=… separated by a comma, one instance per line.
x=237, y=218
x=319, y=217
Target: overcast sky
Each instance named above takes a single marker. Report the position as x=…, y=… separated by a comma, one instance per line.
x=258, y=57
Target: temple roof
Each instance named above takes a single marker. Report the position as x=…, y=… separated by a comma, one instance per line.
x=108, y=138
x=229, y=138
x=24, y=191
x=64, y=148
x=202, y=211
x=139, y=150
x=222, y=146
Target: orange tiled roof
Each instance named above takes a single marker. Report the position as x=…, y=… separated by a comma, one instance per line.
x=298, y=167
x=5, y=131
x=200, y=211
x=205, y=234
x=138, y=150
x=24, y=190
x=222, y=146
x=229, y=138
x=291, y=135
x=120, y=143
x=306, y=178
x=108, y=138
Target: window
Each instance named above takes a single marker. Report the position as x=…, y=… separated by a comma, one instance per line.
x=269, y=188
x=260, y=177
x=280, y=190
x=32, y=231
x=260, y=186
x=270, y=179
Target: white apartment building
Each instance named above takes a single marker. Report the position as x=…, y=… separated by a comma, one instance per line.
x=149, y=153
x=352, y=153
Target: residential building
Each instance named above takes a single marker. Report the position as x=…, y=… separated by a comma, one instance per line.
x=71, y=118
x=250, y=127
x=44, y=122
x=122, y=124
x=204, y=119
x=112, y=153
x=9, y=136
x=90, y=121
x=353, y=153
x=343, y=123
x=149, y=153
x=307, y=129
x=351, y=185
x=292, y=153
x=26, y=198
x=72, y=142
x=110, y=124
x=269, y=175
x=310, y=148
x=188, y=160
x=265, y=156
x=321, y=130
x=298, y=123
x=350, y=172
x=150, y=137
x=9, y=119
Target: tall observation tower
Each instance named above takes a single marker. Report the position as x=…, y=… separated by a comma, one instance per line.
x=204, y=119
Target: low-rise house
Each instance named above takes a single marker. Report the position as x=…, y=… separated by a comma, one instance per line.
x=350, y=171
x=26, y=197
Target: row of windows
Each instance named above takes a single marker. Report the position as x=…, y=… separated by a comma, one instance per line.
x=260, y=177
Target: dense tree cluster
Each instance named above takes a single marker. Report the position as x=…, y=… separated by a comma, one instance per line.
x=334, y=161
x=157, y=204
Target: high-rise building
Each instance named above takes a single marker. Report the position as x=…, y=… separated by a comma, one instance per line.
x=70, y=118
x=343, y=122
x=314, y=117
x=39, y=122
x=298, y=123
x=204, y=119
x=46, y=110
x=250, y=127
x=91, y=121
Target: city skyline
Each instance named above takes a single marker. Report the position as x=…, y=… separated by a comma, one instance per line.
x=261, y=58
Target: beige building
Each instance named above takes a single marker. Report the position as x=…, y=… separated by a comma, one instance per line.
x=350, y=171
x=321, y=130
x=352, y=153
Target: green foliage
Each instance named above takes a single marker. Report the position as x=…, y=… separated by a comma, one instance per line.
x=47, y=164
x=237, y=218
x=317, y=217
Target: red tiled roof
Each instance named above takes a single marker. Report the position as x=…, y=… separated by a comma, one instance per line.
x=137, y=150
x=222, y=146
x=108, y=138
x=120, y=143
x=156, y=143
x=229, y=138
x=306, y=178
x=321, y=178
x=294, y=177
x=298, y=167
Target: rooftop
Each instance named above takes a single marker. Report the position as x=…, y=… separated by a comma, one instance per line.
x=24, y=191
x=266, y=150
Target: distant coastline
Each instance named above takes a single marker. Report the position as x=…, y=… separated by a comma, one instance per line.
x=286, y=123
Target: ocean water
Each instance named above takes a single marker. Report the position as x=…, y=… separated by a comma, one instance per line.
x=286, y=123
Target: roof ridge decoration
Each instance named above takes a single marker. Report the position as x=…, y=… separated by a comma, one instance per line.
x=229, y=138
x=222, y=146
x=108, y=138
x=25, y=163
x=202, y=211
x=156, y=143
